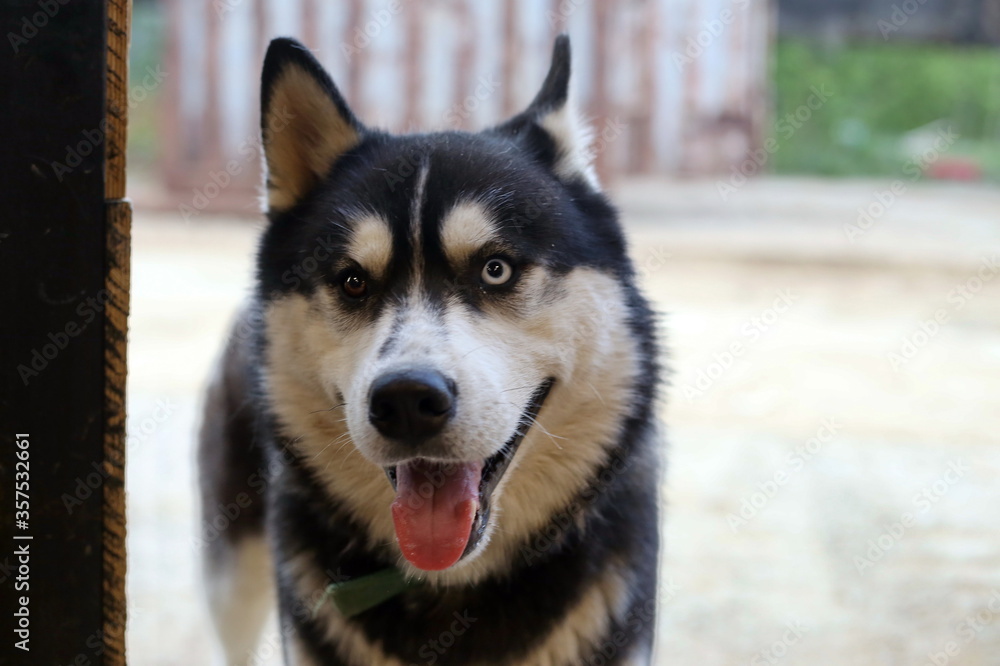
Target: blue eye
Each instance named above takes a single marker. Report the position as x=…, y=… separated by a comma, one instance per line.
x=497, y=272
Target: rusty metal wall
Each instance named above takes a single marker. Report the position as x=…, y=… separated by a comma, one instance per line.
x=673, y=87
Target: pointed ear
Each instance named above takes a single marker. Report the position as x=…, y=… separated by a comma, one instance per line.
x=305, y=123
x=566, y=142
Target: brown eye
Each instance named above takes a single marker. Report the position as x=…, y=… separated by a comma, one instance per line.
x=354, y=286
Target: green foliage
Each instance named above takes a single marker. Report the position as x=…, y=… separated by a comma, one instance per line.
x=881, y=92
x=147, y=53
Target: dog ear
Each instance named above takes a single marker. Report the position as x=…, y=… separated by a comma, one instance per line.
x=551, y=126
x=305, y=123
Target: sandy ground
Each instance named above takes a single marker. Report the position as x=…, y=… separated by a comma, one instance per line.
x=826, y=501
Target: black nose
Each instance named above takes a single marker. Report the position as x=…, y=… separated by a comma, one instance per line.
x=411, y=405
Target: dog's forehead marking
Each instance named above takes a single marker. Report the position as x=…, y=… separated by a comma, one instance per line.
x=465, y=229
x=416, y=222
x=370, y=243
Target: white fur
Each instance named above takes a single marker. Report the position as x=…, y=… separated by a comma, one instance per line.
x=240, y=597
x=416, y=223
x=298, y=655
x=573, y=138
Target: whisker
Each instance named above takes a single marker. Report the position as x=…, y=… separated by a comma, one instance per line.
x=339, y=225
x=475, y=350
x=350, y=453
x=320, y=452
x=597, y=393
x=346, y=441
x=516, y=388
x=534, y=421
x=331, y=443
x=329, y=409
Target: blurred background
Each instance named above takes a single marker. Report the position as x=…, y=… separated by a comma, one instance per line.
x=811, y=191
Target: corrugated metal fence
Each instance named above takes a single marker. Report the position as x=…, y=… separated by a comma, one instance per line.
x=671, y=86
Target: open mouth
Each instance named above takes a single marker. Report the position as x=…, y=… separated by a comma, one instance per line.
x=442, y=508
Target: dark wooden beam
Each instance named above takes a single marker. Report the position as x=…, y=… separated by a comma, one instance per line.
x=64, y=287
x=117, y=235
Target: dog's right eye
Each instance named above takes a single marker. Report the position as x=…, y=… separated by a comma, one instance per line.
x=354, y=285
x=497, y=272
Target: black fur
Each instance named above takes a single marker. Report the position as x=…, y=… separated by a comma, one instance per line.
x=560, y=223
x=513, y=612
x=555, y=89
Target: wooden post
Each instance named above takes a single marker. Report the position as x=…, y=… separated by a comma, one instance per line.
x=64, y=239
x=118, y=236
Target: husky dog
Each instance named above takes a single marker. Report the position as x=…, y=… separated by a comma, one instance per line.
x=431, y=439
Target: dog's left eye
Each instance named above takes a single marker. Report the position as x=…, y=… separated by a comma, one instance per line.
x=496, y=272
x=354, y=285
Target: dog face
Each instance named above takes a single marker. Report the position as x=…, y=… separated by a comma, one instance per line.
x=430, y=298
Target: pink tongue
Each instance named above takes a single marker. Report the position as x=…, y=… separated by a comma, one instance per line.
x=434, y=509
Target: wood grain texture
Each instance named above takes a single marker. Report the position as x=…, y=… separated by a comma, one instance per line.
x=119, y=219
x=118, y=237
x=119, y=20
